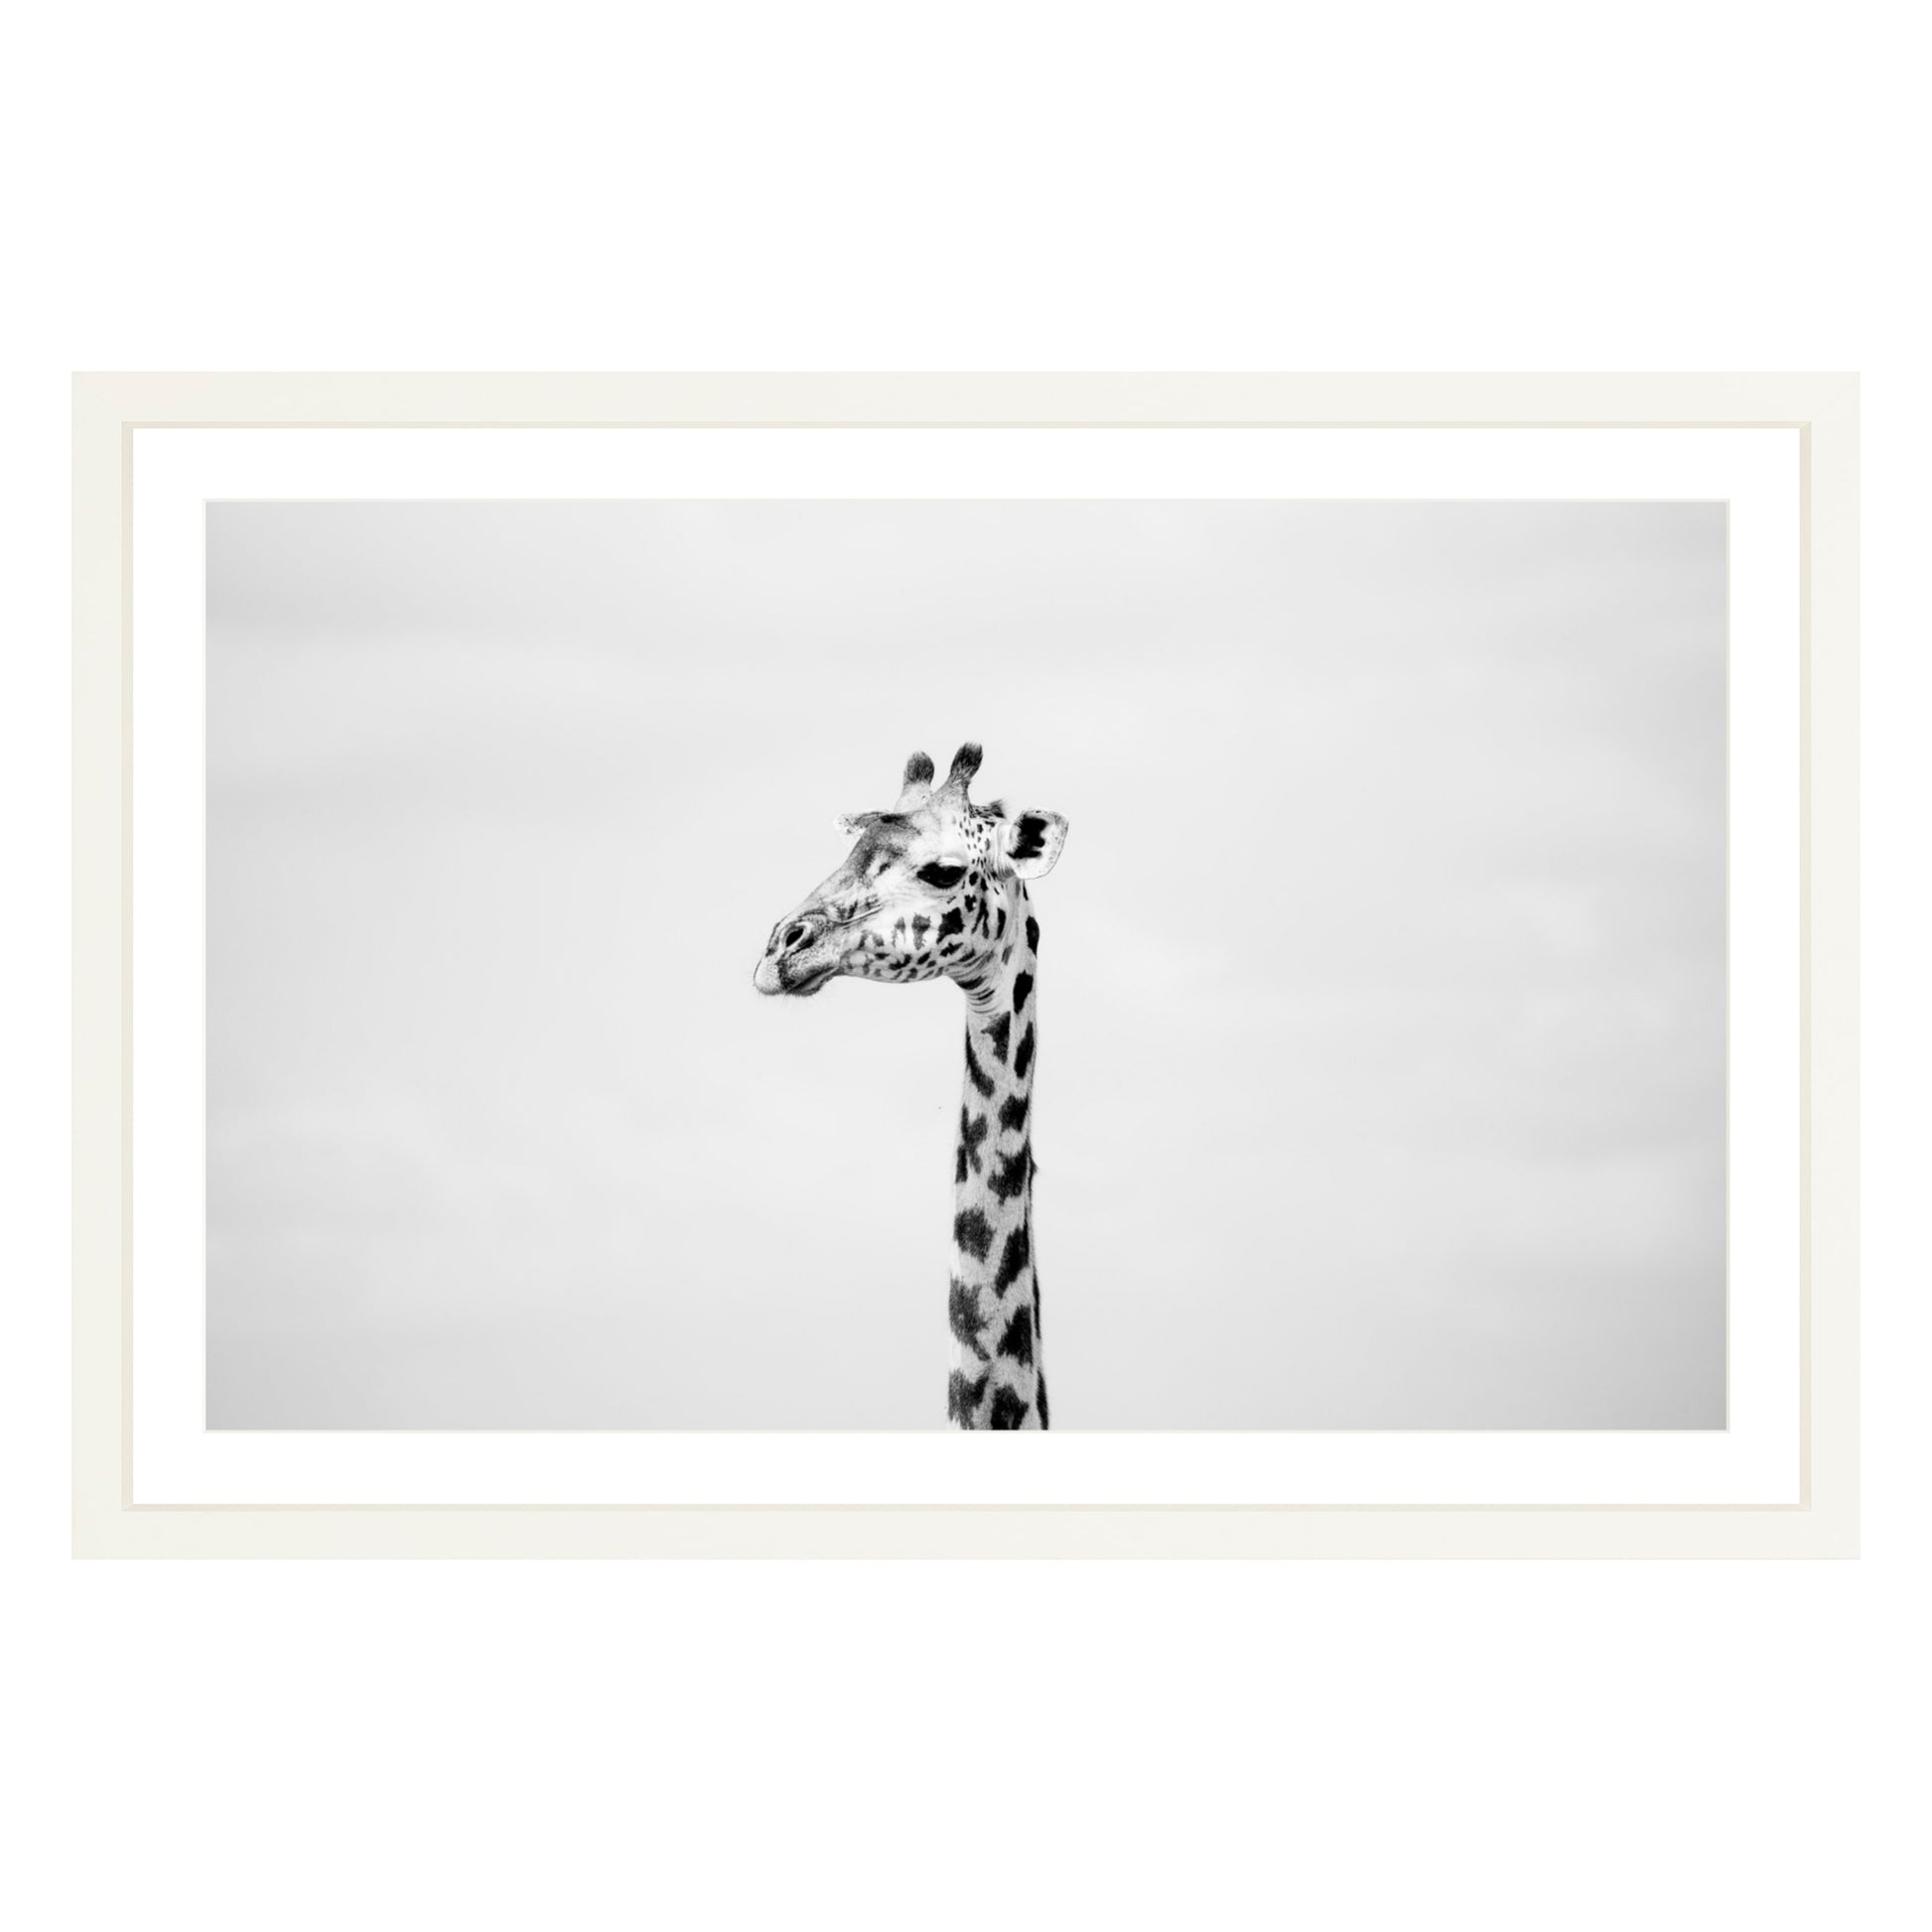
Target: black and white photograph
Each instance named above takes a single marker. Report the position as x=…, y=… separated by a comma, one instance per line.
x=746, y=742
x=864, y=965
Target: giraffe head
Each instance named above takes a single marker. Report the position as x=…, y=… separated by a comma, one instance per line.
x=929, y=891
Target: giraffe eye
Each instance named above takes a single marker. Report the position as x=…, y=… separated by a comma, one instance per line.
x=943, y=877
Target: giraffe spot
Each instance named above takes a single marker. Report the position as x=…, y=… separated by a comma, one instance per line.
x=1023, y=1055
x=998, y=1033
x=1018, y=1341
x=1022, y=989
x=1008, y=1411
x=1013, y=1175
x=982, y=1082
x=1040, y=1396
x=1013, y=1262
x=1012, y=1113
x=963, y=1316
x=971, y=1134
x=922, y=925
x=953, y=923
x=972, y=1233
x=1033, y=934
x=963, y=1398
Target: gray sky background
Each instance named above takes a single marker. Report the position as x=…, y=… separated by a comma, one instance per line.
x=1382, y=979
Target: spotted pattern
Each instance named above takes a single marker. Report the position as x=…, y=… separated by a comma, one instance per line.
x=1015, y=1171
x=963, y=1316
x=982, y=1081
x=972, y=1131
x=997, y=1035
x=930, y=890
x=1018, y=1340
x=973, y=1232
x=994, y=1301
x=1008, y=1410
x=964, y=1399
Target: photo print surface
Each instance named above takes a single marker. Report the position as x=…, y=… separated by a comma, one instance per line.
x=1365, y=862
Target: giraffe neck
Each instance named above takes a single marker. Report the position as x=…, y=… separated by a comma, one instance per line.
x=994, y=1304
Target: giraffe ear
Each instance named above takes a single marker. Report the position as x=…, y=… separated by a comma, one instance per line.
x=1030, y=841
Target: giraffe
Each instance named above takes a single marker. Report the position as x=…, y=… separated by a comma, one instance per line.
x=936, y=888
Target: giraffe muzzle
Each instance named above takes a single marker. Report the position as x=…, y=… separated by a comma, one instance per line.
x=789, y=965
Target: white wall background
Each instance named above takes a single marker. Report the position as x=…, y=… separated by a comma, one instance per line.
x=1382, y=982
x=1363, y=1745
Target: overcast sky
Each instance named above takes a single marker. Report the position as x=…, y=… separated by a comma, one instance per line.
x=1382, y=979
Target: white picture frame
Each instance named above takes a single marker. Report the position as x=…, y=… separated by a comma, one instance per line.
x=515, y=1495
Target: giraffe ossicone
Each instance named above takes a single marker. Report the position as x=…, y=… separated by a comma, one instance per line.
x=937, y=889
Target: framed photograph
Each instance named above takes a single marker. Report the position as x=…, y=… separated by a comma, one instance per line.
x=656, y=955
